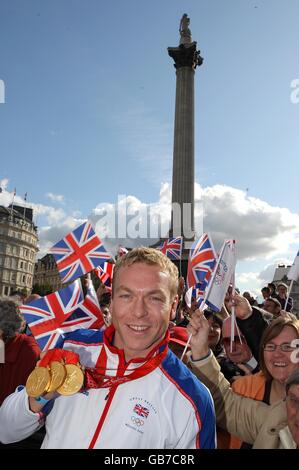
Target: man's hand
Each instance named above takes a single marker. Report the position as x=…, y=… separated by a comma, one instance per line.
x=101, y=290
x=199, y=328
x=33, y=404
x=243, y=308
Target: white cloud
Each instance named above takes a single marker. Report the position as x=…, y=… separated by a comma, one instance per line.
x=249, y=281
x=55, y=197
x=260, y=230
x=131, y=222
x=53, y=216
x=7, y=197
x=49, y=235
x=267, y=274
x=3, y=183
x=264, y=234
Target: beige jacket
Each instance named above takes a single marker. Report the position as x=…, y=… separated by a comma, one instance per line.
x=250, y=420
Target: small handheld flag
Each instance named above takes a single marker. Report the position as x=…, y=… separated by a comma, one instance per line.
x=79, y=252
x=49, y=317
x=172, y=248
x=293, y=274
x=105, y=274
x=224, y=271
x=202, y=259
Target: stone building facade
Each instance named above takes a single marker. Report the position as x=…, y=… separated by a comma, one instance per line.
x=18, y=248
x=46, y=276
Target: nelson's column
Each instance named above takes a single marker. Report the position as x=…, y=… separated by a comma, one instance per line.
x=186, y=59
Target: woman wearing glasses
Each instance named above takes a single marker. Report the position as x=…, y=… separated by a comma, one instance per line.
x=264, y=426
x=276, y=366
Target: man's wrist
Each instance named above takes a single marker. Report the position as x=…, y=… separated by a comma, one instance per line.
x=36, y=404
x=41, y=400
x=201, y=355
x=248, y=314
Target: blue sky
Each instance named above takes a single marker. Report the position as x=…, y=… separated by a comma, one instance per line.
x=89, y=107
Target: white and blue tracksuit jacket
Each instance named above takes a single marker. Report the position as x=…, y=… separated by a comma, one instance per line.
x=169, y=408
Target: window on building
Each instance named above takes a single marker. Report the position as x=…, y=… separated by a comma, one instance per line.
x=6, y=290
x=23, y=278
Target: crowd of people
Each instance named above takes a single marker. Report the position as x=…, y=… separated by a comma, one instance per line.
x=228, y=392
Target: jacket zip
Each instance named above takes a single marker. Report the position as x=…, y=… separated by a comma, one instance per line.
x=109, y=398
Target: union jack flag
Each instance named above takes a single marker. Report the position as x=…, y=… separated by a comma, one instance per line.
x=202, y=259
x=194, y=293
x=172, y=247
x=141, y=411
x=105, y=274
x=88, y=314
x=79, y=252
x=50, y=317
x=122, y=251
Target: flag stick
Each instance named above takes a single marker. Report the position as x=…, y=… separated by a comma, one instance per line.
x=290, y=289
x=233, y=315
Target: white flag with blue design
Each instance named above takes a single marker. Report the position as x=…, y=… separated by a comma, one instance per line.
x=293, y=274
x=225, y=269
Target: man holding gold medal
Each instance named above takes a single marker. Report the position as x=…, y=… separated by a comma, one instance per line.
x=121, y=388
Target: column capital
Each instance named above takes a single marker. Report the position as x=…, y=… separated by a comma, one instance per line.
x=185, y=56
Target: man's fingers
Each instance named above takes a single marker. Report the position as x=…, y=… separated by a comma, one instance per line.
x=192, y=330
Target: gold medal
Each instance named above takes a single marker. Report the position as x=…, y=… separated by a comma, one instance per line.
x=73, y=381
x=57, y=374
x=38, y=382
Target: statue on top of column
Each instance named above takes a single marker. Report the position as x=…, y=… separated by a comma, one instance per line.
x=184, y=30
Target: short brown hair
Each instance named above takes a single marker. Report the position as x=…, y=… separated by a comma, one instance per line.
x=273, y=330
x=11, y=319
x=152, y=257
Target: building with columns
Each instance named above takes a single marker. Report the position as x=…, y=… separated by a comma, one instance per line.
x=46, y=276
x=18, y=248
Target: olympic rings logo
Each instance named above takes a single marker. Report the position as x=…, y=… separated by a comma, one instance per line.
x=137, y=421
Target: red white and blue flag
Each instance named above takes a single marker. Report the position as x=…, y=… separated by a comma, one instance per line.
x=141, y=410
x=202, y=260
x=122, y=251
x=172, y=247
x=194, y=293
x=105, y=274
x=88, y=314
x=79, y=252
x=50, y=317
x=222, y=276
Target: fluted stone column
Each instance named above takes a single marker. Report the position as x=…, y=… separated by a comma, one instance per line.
x=186, y=58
